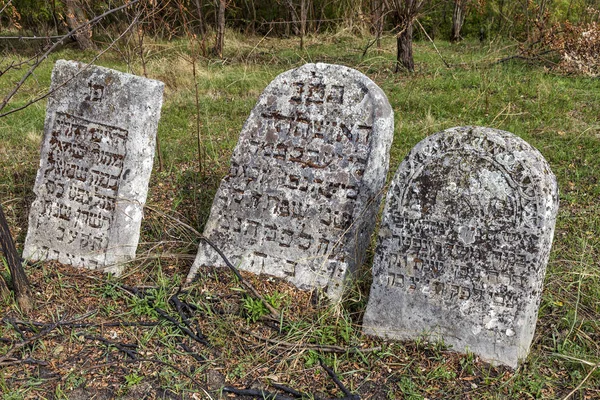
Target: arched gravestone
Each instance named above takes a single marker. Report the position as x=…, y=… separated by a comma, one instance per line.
x=463, y=244
x=96, y=160
x=304, y=187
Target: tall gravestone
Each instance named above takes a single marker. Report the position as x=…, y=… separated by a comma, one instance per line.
x=97, y=155
x=463, y=244
x=301, y=197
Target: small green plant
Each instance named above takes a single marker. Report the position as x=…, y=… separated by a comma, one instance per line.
x=133, y=379
x=311, y=358
x=275, y=299
x=442, y=373
x=409, y=389
x=109, y=290
x=254, y=309
x=467, y=363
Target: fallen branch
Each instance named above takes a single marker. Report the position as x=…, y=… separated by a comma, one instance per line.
x=123, y=347
x=8, y=356
x=522, y=57
x=567, y=397
x=293, y=392
x=28, y=360
x=274, y=313
x=192, y=353
x=258, y=393
x=181, y=327
x=81, y=325
x=185, y=327
x=312, y=346
x=339, y=383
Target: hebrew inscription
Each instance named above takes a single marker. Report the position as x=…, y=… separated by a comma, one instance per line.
x=86, y=195
x=464, y=242
x=304, y=185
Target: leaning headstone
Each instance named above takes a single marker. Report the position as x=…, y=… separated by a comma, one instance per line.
x=304, y=187
x=97, y=154
x=463, y=245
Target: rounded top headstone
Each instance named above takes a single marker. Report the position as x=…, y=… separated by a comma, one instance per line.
x=306, y=176
x=463, y=245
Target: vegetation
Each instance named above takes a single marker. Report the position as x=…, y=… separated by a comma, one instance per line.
x=92, y=334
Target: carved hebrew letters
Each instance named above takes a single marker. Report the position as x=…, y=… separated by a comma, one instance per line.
x=82, y=172
x=95, y=165
x=464, y=243
x=295, y=195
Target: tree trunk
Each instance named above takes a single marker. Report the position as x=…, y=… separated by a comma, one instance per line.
x=303, y=18
x=458, y=18
x=404, y=55
x=220, y=29
x=19, y=279
x=377, y=20
x=201, y=30
x=75, y=17
x=4, y=291
x=294, y=16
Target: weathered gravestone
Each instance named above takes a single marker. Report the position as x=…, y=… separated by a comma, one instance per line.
x=463, y=244
x=97, y=155
x=303, y=190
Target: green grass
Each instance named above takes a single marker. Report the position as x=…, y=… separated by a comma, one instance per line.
x=559, y=115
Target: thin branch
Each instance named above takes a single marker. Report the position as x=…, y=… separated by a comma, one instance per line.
x=257, y=393
x=274, y=313
x=522, y=57
x=5, y=6
x=7, y=357
x=80, y=325
x=433, y=43
x=312, y=346
x=339, y=383
x=50, y=50
x=123, y=347
x=582, y=382
x=181, y=327
x=30, y=37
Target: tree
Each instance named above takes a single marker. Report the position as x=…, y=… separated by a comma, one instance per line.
x=458, y=19
x=299, y=18
x=75, y=15
x=20, y=282
x=377, y=19
x=405, y=11
x=218, y=49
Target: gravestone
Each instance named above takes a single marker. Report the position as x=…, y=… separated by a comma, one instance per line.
x=301, y=196
x=96, y=159
x=463, y=245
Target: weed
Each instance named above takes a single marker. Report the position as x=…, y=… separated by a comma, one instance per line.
x=133, y=379
x=254, y=309
x=409, y=389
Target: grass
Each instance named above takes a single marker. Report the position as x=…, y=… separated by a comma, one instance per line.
x=556, y=114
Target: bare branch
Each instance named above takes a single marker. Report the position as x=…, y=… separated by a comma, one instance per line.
x=50, y=50
x=5, y=6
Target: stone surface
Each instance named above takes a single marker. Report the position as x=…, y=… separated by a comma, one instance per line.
x=304, y=187
x=97, y=155
x=463, y=245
